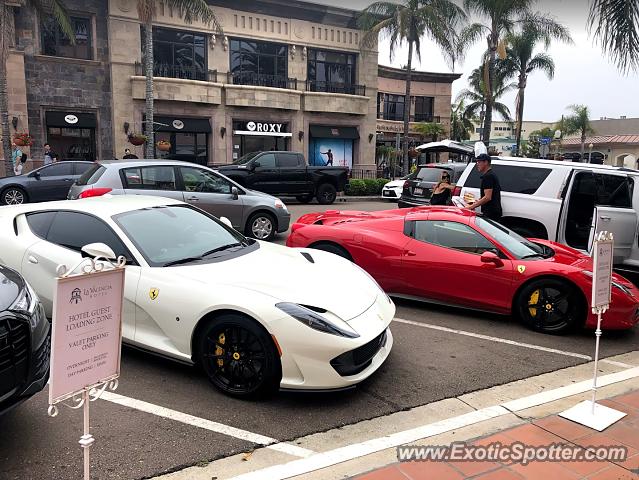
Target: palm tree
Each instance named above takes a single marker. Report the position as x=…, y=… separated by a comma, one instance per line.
x=521, y=61
x=53, y=8
x=477, y=94
x=430, y=129
x=461, y=126
x=616, y=28
x=409, y=22
x=578, y=122
x=189, y=10
x=502, y=17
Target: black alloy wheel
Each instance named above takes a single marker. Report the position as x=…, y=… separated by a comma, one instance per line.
x=239, y=357
x=550, y=306
x=14, y=196
x=326, y=194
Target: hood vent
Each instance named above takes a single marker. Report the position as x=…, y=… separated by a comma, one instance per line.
x=308, y=257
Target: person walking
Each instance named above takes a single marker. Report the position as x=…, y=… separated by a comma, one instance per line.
x=49, y=156
x=128, y=155
x=442, y=191
x=329, y=157
x=18, y=167
x=490, y=190
x=16, y=155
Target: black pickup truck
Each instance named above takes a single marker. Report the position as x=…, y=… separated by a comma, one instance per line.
x=287, y=174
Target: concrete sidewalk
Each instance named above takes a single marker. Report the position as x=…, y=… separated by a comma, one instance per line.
x=541, y=432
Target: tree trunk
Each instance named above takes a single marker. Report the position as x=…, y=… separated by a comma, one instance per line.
x=149, y=150
x=583, y=145
x=520, y=118
x=488, y=119
x=407, y=105
x=4, y=94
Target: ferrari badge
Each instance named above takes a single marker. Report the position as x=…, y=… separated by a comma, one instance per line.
x=153, y=293
x=521, y=268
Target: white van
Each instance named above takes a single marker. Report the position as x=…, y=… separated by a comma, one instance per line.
x=565, y=202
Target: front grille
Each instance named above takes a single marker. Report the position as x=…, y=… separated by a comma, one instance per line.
x=14, y=353
x=357, y=360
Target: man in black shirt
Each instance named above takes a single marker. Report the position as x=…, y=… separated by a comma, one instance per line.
x=490, y=201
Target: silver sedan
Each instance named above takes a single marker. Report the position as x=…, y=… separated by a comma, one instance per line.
x=256, y=214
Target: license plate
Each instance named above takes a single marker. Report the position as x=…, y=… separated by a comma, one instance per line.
x=386, y=193
x=418, y=191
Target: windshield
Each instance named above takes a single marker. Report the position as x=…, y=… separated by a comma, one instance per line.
x=430, y=174
x=178, y=234
x=517, y=245
x=92, y=175
x=244, y=159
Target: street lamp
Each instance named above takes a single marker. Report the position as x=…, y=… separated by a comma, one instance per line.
x=590, y=152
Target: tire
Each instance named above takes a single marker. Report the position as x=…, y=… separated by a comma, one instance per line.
x=304, y=198
x=326, y=194
x=550, y=305
x=14, y=196
x=262, y=226
x=239, y=357
x=333, y=248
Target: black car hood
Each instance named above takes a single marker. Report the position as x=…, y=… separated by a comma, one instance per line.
x=11, y=283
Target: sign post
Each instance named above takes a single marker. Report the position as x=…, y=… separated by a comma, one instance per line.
x=86, y=338
x=589, y=413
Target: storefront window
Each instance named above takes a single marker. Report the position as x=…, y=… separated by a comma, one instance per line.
x=247, y=139
x=332, y=146
x=72, y=143
x=188, y=147
x=56, y=44
x=331, y=71
x=178, y=54
x=259, y=63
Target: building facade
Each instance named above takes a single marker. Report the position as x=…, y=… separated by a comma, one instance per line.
x=284, y=75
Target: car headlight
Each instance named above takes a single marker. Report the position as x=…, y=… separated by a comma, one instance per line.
x=26, y=302
x=316, y=321
x=281, y=205
x=617, y=285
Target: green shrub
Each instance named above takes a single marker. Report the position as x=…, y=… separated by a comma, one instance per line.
x=356, y=188
x=372, y=188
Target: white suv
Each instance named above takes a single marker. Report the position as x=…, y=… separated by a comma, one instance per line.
x=559, y=201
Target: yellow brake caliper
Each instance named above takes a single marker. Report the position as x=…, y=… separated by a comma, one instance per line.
x=533, y=300
x=219, y=350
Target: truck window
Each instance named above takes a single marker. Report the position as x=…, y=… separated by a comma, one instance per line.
x=512, y=178
x=266, y=161
x=285, y=160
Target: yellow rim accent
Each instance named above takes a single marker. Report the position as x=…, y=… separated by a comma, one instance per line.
x=534, y=298
x=236, y=356
x=221, y=338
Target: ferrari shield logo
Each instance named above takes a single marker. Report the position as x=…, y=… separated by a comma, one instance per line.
x=153, y=293
x=521, y=268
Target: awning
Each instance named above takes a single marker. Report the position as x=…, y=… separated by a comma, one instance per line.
x=70, y=119
x=321, y=131
x=181, y=124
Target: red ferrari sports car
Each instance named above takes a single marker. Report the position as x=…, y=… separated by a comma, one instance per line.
x=456, y=257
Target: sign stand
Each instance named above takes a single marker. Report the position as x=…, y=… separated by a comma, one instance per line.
x=590, y=413
x=77, y=379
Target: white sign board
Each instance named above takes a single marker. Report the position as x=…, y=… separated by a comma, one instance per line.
x=87, y=332
x=601, y=273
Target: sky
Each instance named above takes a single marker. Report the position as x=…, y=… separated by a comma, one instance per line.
x=583, y=75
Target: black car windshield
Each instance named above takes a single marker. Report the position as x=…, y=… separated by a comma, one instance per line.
x=431, y=174
x=244, y=159
x=517, y=245
x=178, y=234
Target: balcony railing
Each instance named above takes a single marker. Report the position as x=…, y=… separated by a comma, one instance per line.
x=261, y=80
x=329, y=87
x=178, y=71
x=425, y=117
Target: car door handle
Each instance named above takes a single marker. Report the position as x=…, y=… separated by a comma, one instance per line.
x=32, y=259
x=192, y=199
x=409, y=253
x=605, y=218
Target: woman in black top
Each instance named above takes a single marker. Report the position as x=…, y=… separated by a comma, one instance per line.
x=442, y=191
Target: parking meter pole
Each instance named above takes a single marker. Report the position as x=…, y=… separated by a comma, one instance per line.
x=594, y=377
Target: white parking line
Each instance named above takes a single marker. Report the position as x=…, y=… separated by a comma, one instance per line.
x=351, y=452
x=187, y=419
x=496, y=339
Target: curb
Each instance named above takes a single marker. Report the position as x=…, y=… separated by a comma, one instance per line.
x=369, y=198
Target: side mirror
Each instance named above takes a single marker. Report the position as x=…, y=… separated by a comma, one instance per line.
x=98, y=250
x=226, y=222
x=491, y=257
x=235, y=193
x=254, y=165
x=35, y=174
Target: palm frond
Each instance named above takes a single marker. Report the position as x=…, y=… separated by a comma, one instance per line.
x=191, y=10
x=58, y=11
x=542, y=62
x=503, y=111
x=616, y=29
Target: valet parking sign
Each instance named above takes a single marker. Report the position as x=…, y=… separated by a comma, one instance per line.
x=87, y=332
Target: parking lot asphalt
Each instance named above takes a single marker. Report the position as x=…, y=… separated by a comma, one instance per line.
x=439, y=352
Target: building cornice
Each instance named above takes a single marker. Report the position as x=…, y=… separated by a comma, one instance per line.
x=417, y=76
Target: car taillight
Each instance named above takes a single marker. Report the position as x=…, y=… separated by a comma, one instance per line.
x=94, y=192
x=406, y=184
x=457, y=191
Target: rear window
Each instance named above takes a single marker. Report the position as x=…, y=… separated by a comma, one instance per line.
x=92, y=175
x=525, y=180
x=430, y=174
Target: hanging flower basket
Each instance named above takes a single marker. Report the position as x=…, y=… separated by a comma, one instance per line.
x=163, y=145
x=137, y=139
x=22, y=139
